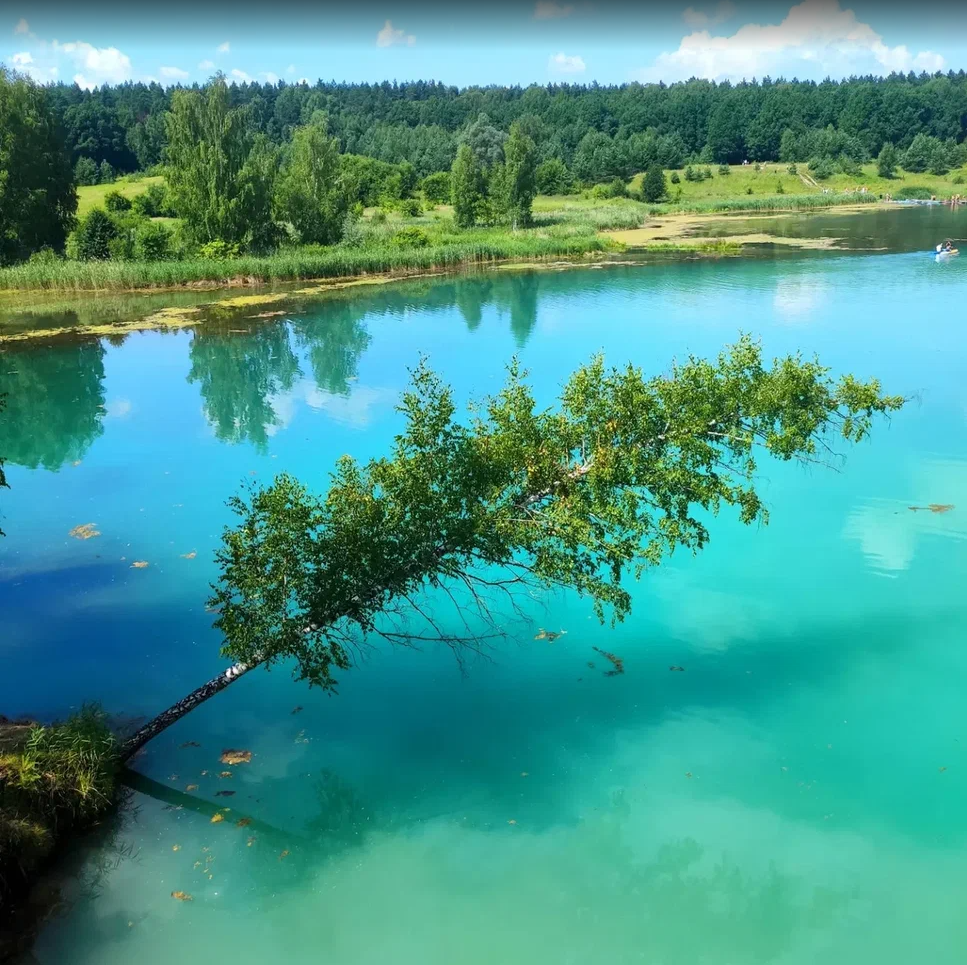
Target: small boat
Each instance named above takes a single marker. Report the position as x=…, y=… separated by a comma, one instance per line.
x=944, y=255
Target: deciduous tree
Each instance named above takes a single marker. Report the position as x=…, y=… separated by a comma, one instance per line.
x=467, y=187
x=37, y=196
x=585, y=495
x=310, y=194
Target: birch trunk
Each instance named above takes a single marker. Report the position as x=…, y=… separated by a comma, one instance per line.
x=187, y=704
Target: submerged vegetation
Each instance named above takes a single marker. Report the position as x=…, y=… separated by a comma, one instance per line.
x=54, y=781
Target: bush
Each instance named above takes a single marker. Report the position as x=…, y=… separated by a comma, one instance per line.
x=675, y=179
x=553, y=177
x=94, y=236
x=793, y=170
x=821, y=168
x=691, y=174
x=850, y=166
x=436, y=187
x=379, y=216
x=219, y=250
x=957, y=179
x=748, y=190
x=615, y=188
x=152, y=242
x=913, y=192
x=780, y=189
x=105, y=173
x=46, y=256
x=410, y=237
x=724, y=170
x=758, y=167
x=152, y=203
x=115, y=201
x=410, y=208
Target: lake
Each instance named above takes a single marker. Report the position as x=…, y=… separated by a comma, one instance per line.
x=796, y=794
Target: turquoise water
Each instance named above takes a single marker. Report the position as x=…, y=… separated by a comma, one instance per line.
x=796, y=795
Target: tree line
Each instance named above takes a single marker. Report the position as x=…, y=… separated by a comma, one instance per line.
x=596, y=131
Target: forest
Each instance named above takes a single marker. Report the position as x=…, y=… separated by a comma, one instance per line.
x=597, y=132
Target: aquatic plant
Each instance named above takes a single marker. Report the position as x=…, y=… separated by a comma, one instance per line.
x=584, y=495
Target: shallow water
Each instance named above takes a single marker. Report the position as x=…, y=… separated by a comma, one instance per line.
x=796, y=795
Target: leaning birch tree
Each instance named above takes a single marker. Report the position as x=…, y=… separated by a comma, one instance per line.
x=587, y=495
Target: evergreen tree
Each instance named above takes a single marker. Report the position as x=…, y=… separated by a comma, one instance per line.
x=466, y=185
x=886, y=161
x=938, y=159
x=94, y=236
x=105, y=173
x=653, y=187
x=309, y=194
x=37, y=196
x=917, y=156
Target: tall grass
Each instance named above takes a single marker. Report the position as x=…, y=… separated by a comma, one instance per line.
x=297, y=263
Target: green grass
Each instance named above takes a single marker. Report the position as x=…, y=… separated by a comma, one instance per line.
x=92, y=195
x=477, y=247
x=564, y=227
x=766, y=181
x=53, y=781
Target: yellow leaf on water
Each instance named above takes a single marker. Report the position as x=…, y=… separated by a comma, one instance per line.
x=182, y=896
x=85, y=531
x=139, y=564
x=217, y=817
x=511, y=821
x=189, y=556
x=233, y=757
x=225, y=774
x=243, y=822
x=284, y=854
x=191, y=787
x=176, y=847
x=250, y=842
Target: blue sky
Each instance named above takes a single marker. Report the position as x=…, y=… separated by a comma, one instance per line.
x=484, y=43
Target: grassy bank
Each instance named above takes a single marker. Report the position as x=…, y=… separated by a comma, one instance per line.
x=770, y=177
x=92, y=195
x=297, y=263
x=387, y=243
x=54, y=781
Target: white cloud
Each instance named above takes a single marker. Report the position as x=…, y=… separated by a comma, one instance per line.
x=816, y=38
x=96, y=65
x=290, y=69
x=550, y=10
x=241, y=76
x=22, y=27
x=174, y=73
x=698, y=18
x=391, y=35
x=224, y=48
x=22, y=59
x=269, y=76
x=207, y=65
x=117, y=409
x=563, y=64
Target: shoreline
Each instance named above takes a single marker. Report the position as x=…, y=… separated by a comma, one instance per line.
x=663, y=234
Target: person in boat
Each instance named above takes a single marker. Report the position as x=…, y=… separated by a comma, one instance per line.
x=948, y=245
